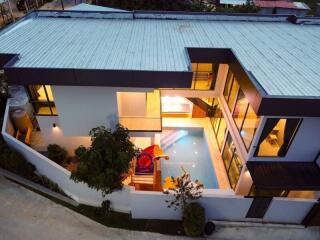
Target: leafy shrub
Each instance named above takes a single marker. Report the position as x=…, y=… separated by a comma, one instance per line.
x=15, y=162
x=56, y=153
x=194, y=219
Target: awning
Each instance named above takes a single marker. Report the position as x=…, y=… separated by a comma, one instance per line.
x=285, y=175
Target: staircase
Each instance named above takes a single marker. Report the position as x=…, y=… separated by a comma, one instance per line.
x=172, y=137
x=201, y=104
x=143, y=179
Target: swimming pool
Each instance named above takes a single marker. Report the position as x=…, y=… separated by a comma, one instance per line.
x=187, y=148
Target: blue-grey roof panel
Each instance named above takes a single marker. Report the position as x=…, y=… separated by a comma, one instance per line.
x=89, y=7
x=283, y=57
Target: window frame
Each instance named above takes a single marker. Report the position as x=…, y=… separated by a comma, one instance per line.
x=214, y=72
x=37, y=104
x=231, y=161
x=255, y=153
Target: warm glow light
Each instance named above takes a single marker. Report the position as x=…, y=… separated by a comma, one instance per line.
x=175, y=104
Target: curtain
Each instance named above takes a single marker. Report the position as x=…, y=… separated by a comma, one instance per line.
x=268, y=127
x=291, y=126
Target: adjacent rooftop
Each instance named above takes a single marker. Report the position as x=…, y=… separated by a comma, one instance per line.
x=283, y=56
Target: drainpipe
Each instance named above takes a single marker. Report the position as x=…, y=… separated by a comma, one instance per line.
x=318, y=10
x=62, y=4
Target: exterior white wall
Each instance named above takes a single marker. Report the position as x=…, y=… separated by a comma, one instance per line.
x=82, y=108
x=56, y=135
x=305, y=146
x=78, y=191
x=152, y=205
x=219, y=204
x=286, y=210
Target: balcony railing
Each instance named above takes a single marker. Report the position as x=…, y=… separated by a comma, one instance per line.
x=140, y=124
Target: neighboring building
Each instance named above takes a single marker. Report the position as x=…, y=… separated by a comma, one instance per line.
x=282, y=7
x=232, y=3
x=249, y=84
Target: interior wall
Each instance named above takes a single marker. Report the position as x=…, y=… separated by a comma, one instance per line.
x=131, y=104
x=221, y=77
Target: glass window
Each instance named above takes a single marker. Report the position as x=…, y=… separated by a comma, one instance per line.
x=231, y=90
x=228, y=151
x=240, y=109
x=233, y=94
x=221, y=133
x=232, y=162
x=218, y=123
x=228, y=85
x=204, y=76
x=249, y=127
x=234, y=170
x=246, y=119
x=277, y=136
x=42, y=99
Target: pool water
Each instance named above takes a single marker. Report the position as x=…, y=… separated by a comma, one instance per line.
x=189, y=151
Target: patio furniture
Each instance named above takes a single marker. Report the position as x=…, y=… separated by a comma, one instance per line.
x=23, y=125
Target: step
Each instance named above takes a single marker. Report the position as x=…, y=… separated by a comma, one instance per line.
x=168, y=138
x=176, y=137
x=165, y=135
x=142, y=179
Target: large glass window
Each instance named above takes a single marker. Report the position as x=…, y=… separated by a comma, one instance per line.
x=41, y=97
x=232, y=162
x=277, y=136
x=249, y=127
x=204, y=76
x=246, y=119
x=231, y=90
x=219, y=124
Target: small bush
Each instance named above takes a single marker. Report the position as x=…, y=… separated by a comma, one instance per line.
x=194, y=219
x=80, y=151
x=56, y=153
x=15, y=162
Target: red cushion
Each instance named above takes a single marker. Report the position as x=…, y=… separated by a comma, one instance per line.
x=144, y=161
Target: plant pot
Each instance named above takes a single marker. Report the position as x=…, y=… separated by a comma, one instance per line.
x=209, y=228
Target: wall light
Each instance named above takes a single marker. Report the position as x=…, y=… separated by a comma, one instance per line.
x=54, y=125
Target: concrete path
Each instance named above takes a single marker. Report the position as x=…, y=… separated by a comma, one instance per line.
x=25, y=215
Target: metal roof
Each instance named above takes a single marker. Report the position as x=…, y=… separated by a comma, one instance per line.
x=282, y=56
x=90, y=7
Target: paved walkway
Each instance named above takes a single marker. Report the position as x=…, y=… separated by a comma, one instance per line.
x=25, y=215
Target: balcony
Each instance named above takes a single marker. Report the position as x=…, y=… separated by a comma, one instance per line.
x=139, y=111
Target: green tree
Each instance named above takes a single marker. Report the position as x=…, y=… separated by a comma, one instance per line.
x=105, y=164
